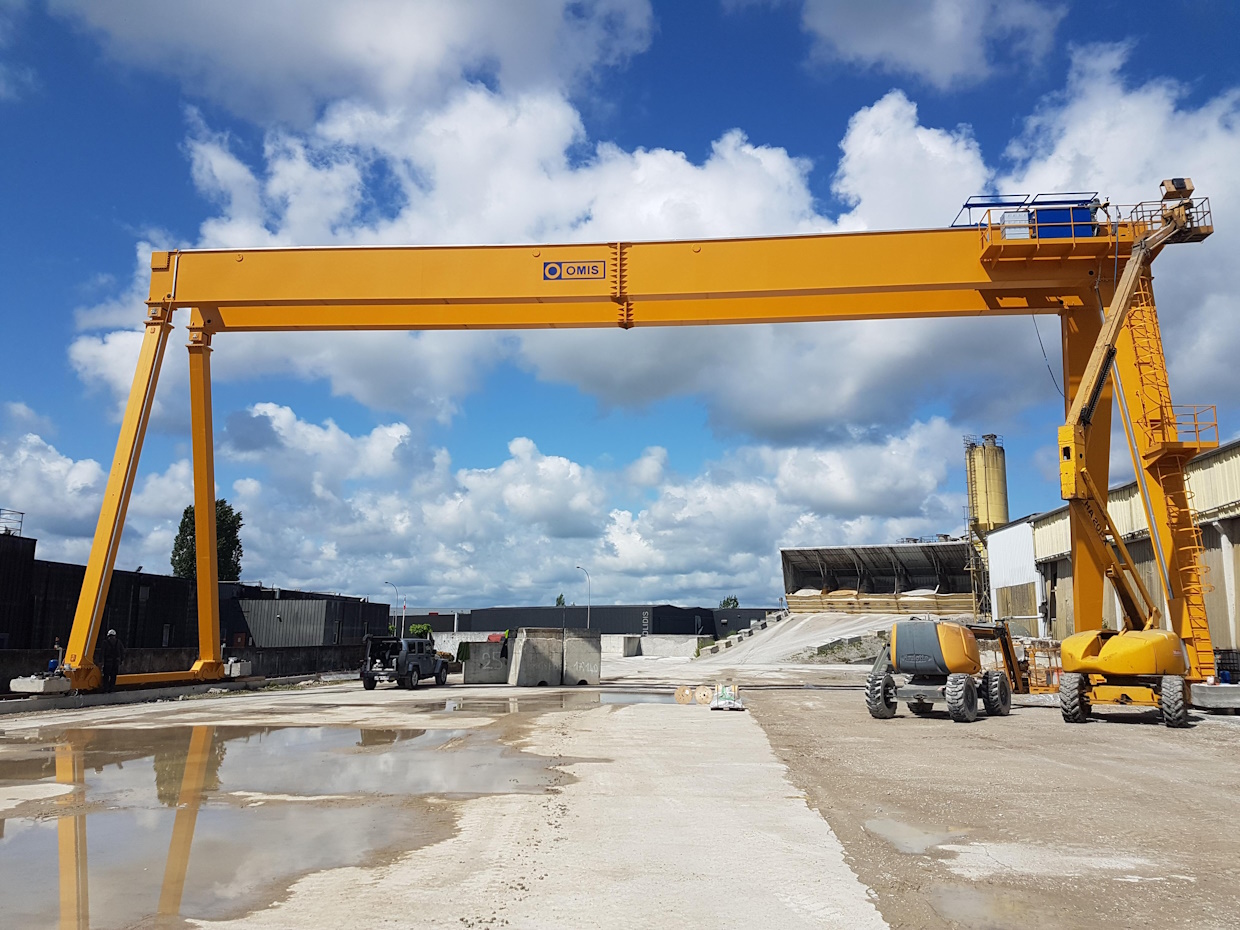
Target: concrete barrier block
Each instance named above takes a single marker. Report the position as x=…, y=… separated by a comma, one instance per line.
x=485, y=665
x=673, y=645
x=615, y=644
x=35, y=685
x=535, y=657
x=582, y=657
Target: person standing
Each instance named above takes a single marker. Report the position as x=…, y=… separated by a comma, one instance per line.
x=113, y=653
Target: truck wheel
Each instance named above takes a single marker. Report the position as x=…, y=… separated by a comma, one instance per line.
x=1173, y=701
x=962, y=697
x=441, y=676
x=411, y=680
x=368, y=683
x=996, y=694
x=880, y=696
x=921, y=708
x=1073, y=697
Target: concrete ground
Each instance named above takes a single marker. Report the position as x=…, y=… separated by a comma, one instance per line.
x=613, y=807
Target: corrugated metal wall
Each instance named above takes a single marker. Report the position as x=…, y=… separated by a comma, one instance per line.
x=285, y=622
x=1213, y=479
x=1221, y=614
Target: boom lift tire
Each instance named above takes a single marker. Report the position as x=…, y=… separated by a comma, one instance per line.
x=996, y=694
x=1073, y=697
x=962, y=697
x=1173, y=701
x=920, y=708
x=880, y=696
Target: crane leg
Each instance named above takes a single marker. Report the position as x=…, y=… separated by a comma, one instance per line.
x=80, y=668
x=209, y=664
x=1080, y=331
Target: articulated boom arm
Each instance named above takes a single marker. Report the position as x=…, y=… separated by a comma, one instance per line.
x=988, y=269
x=1130, y=345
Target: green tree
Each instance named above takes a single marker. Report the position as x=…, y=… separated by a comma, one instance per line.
x=228, y=549
x=729, y=603
x=559, y=600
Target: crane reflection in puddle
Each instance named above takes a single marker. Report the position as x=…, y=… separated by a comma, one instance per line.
x=71, y=826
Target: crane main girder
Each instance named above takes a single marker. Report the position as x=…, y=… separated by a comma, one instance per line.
x=838, y=276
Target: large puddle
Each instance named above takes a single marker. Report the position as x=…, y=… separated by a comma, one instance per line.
x=116, y=827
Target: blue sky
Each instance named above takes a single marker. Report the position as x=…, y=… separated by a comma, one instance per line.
x=476, y=469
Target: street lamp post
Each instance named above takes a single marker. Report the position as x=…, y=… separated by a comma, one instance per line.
x=589, y=595
x=401, y=633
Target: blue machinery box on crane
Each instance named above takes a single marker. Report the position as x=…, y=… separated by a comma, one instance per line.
x=1045, y=216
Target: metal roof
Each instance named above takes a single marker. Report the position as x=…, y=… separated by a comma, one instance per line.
x=924, y=560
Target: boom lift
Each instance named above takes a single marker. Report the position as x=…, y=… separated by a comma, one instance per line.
x=1049, y=256
x=943, y=665
x=1141, y=663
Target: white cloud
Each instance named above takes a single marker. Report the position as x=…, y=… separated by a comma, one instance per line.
x=946, y=43
x=59, y=496
x=283, y=59
x=21, y=417
x=648, y=471
x=892, y=478
x=329, y=510
x=888, y=160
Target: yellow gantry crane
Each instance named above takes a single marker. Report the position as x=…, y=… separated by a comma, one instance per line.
x=1080, y=262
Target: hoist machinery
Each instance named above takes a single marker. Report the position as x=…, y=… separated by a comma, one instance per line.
x=1085, y=261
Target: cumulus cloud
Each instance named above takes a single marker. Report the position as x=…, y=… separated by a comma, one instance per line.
x=946, y=43
x=282, y=59
x=20, y=417
x=60, y=496
x=331, y=510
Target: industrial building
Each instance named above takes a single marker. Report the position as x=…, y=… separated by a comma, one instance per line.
x=622, y=619
x=38, y=599
x=1031, y=565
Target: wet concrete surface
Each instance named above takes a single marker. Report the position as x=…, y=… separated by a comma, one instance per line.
x=143, y=825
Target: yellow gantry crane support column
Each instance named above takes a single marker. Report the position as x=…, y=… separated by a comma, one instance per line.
x=979, y=270
x=79, y=659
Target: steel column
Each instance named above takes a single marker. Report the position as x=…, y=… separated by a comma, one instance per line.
x=80, y=666
x=207, y=567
